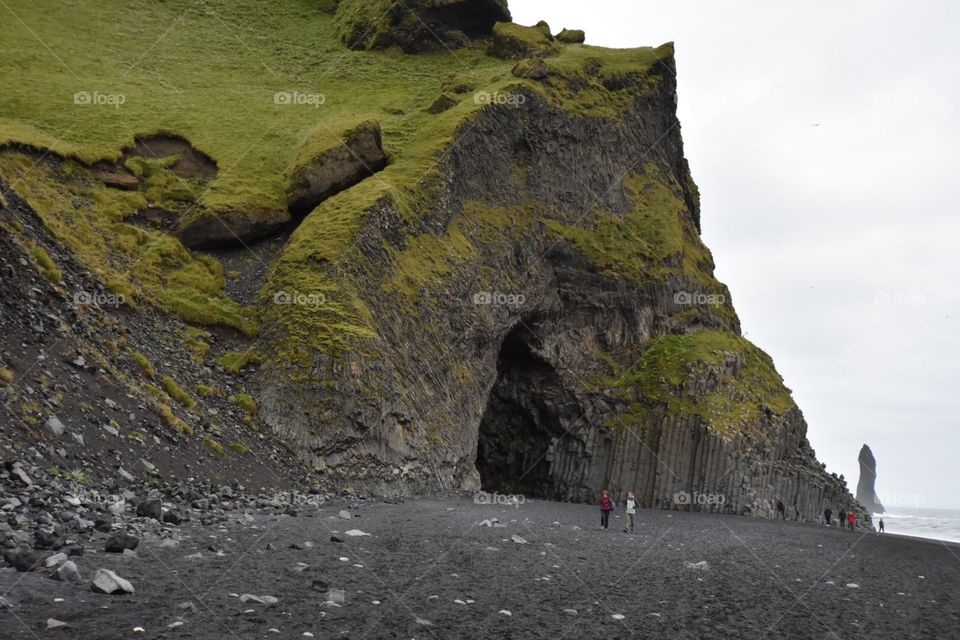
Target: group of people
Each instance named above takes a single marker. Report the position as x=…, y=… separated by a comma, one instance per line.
x=847, y=519
x=607, y=505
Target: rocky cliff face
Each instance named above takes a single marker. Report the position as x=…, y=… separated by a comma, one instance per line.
x=866, y=486
x=509, y=326
x=488, y=275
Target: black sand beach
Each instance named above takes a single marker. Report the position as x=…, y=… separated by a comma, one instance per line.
x=430, y=568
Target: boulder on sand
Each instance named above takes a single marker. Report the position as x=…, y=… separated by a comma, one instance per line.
x=106, y=581
x=120, y=541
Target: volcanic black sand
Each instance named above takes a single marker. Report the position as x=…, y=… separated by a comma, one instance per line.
x=430, y=569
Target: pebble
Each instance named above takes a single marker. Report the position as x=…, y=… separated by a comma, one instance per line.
x=853, y=585
x=267, y=600
x=424, y=622
x=53, y=623
x=55, y=426
x=618, y=616
x=505, y=612
x=345, y=515
x=518, y=539
x=570, y=612
x=355, y=533
x=698, y=566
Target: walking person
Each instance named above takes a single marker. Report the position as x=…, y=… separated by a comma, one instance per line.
x=781, y=510
x=881, y=525
x=606, y=506
x=852, y=519
x=631, y=505
x=843, y=519
x=828, y=513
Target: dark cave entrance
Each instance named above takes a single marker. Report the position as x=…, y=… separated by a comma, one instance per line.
x=526, y=411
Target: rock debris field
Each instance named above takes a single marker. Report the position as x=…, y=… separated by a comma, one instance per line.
x=449, y=568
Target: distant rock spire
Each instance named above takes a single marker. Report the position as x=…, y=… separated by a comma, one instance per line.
x=866, y=491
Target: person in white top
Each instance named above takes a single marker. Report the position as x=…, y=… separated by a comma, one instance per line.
x=631, y=511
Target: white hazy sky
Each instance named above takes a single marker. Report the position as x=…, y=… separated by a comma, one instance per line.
x=838, y=241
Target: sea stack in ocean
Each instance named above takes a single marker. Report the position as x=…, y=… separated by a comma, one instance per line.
x=866, y=492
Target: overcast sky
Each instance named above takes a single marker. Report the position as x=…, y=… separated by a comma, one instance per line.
x=838, y=241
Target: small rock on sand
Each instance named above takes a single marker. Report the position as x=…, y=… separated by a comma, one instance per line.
x=67, y=572
x=345, y=515
x=106, y=581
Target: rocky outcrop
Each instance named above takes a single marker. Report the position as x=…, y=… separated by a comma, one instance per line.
x=515, y=41
x=417, y=25
x=317, y=176
x=514, y=342
x=208, y=230
x=866, y=486
x=572, y=36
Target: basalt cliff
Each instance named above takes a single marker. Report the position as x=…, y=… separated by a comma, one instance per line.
x=431, y=250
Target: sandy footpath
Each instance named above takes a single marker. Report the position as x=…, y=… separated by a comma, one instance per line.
x=432, y=568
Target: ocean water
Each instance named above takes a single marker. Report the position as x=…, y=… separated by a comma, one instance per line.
x=938, y=524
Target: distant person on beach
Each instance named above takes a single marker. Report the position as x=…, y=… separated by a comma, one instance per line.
x=606, y=506
x=781, y=511
x=881, y=525
x=852, y=519
x=828, y=513
x=631, y=506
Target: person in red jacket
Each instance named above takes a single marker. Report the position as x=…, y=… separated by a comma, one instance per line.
x=606, y=506
x=852, y=519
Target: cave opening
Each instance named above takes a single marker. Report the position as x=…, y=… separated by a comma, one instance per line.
x=525, y=414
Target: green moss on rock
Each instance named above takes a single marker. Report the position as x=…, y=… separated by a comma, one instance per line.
x=718, y=376
x=511, y=40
